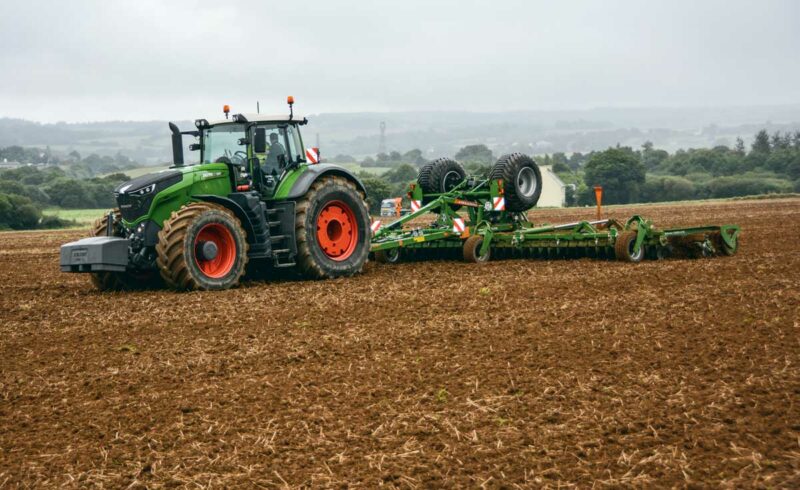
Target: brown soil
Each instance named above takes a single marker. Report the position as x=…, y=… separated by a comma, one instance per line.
x=518, y=373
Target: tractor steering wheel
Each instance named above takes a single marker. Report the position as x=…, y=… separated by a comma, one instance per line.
x=239, y=159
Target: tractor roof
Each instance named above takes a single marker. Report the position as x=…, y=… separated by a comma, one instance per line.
x=277, y=118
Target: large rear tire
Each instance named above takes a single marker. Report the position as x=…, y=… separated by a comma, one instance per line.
x=332, y=229
x=202, y=246
x=522, y=181
x=120, y=281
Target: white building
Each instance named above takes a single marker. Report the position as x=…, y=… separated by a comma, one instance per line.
x=553, y=189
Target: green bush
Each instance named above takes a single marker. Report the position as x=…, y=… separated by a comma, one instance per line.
x=50, y=222
x=377, y=190
x=18, y=212
x=746, y=186
x=667, y=188
x=619, y=172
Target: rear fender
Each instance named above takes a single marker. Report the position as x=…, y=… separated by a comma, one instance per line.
x=312, y=173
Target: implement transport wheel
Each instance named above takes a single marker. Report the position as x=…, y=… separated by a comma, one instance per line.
x=522, y=181
x=389, y=256
x=440, y=176
x=120, y=281
x=202, y=246
x=472, y=249
x=623, y=247
x=723, y=248
x=332, y=229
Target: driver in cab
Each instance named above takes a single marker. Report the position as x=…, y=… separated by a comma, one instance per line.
x=273, y=161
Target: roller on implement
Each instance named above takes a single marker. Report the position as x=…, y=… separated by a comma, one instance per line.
x=482, y=218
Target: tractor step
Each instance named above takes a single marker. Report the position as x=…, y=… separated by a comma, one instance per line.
x=254, y=209
x=280, y=219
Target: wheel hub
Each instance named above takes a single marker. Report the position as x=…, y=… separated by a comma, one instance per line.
x=337, y=230
x=215, y=250
x=207, y=250
x=527, y=181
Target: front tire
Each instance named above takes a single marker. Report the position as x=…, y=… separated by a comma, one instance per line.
x=332, y=229
x=202, y=247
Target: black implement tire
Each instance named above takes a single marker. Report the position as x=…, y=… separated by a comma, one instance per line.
x=120, y=281
x=332, y=229
x=623, y=247
x=522, y=181
x=389, y=256
x=440, y=176
x=472, y=248
x=182, y=241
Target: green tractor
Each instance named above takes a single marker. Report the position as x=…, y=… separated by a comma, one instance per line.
x=255, y=198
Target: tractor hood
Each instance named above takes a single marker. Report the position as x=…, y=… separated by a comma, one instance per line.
x=135, y=196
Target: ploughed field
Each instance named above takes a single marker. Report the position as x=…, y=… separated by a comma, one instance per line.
x=519, y=373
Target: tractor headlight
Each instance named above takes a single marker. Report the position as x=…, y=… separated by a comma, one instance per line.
x=143, y=191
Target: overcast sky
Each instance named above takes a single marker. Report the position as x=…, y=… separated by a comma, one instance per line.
x=145, y=59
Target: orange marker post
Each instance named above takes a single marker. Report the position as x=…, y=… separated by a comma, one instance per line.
x=598, y=196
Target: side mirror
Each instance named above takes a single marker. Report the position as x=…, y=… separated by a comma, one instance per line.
x=260, y=141
x=194, y=147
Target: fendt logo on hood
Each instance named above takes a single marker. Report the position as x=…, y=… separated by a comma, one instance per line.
x=209, y=175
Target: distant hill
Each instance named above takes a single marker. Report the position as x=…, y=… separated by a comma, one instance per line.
x=440, y=133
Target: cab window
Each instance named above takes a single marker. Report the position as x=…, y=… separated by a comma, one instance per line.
x=221, y=143
x=296, y=153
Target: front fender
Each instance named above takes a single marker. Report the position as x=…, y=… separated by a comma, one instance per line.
x=233, y=206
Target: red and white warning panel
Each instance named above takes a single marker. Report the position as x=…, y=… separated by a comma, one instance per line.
x=458, y=225
x=499, y=204
x=415, y=205
x=312, y=155
x=375, y=226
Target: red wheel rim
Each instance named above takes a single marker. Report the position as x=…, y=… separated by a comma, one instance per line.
x=222, y=237
x=337, y=230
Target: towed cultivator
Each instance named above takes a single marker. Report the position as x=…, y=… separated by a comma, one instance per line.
x=482, y=218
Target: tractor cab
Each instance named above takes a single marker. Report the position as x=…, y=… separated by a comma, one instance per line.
x=261, y=150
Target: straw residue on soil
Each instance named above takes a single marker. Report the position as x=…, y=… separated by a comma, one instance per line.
x=517, y=373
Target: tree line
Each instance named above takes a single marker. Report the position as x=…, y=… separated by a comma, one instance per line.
x=26, y=191
x=771, y=165
x=75, y=164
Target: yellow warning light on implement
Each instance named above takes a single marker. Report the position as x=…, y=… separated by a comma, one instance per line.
x=290, y=100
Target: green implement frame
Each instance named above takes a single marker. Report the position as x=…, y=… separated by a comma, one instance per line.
x=476, y=208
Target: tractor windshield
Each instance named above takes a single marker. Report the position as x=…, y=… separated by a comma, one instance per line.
x=222, y=142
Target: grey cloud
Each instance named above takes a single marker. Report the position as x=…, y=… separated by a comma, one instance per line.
x=93, y=60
